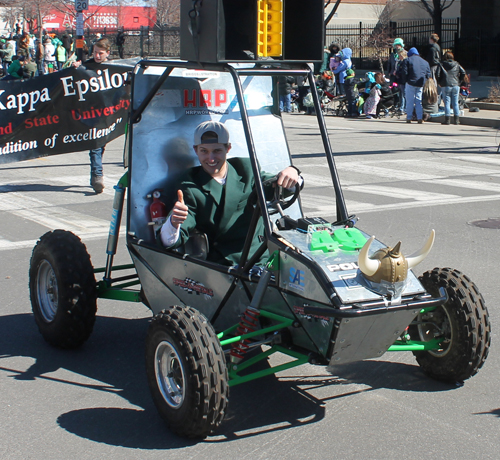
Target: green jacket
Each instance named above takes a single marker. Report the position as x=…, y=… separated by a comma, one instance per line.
x=222, y=212
x=15, y=69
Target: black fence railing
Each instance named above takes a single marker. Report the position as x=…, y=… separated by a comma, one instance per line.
x=369, y=41
x=145, y=42
x=479, y=52
x=417, y=33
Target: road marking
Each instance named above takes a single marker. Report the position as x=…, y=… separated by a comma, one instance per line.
x=52, y=217
x=355, y=207
x=83, y=181
x=75, y=181
x=478, y=159
x=468, y=184
x=6, y=245
x=400, y=193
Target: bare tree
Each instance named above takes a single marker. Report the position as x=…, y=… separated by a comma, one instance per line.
x=379, y=41
x=67, y=7
x=386, y=9
x=435, y=9
x=30, y=12
x=168, y=13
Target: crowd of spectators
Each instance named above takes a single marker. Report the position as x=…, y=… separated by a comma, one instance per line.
x=24, y=55
x=412, y=87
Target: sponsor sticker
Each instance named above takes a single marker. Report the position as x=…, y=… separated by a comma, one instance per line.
x=192, y=287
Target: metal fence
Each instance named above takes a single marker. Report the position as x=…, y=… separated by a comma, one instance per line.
x=365, y=38
x=143, y=43
x=479, y=52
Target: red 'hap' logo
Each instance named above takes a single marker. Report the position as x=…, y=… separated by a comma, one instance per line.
x=205, y=97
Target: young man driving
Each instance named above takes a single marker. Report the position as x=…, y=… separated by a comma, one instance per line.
x=213, y=198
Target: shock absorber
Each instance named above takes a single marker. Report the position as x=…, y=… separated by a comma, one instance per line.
x=250, y=318
x=249, y=323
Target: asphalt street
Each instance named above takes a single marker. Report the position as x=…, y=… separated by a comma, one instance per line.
x=400, y=180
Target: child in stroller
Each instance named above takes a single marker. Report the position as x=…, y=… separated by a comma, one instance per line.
x=294, y=94
x=326, y=90
x=389, y=97
x=464, y=93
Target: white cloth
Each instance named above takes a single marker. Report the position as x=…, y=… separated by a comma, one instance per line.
x=169, y=234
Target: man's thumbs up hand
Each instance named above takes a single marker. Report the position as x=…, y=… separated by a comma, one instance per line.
x=180, y=211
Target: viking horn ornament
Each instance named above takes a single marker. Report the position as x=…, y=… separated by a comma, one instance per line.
x=421, y=254
x=385, y=262
x=366, y=265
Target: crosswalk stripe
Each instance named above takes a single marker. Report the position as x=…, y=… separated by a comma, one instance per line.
x=83, y=181
x=463, y=183
x=399, y=192
x=52, y=217
x=479, y=159
x=311, y=207
x=6, y=245
x=438, y=167
x=77, y=181
x=383, y=172
x=370, y=207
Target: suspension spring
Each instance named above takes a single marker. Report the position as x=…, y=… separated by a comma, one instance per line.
x=249, y=323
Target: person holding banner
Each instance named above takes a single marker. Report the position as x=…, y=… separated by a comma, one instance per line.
x=101, y=51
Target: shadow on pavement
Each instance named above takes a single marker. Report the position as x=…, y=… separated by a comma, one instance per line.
x=113, y=358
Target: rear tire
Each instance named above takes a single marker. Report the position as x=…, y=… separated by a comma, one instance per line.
x=186, y=371
x=62, y=289
x=464, y=323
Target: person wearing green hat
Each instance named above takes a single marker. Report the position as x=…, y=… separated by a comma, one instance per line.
x=397, y=46
x=350, y=83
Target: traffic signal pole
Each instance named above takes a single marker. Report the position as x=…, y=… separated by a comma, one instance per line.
x=80, y=6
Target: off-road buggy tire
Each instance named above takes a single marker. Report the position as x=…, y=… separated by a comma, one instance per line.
x=62, y=289
x=465, y=322
x=186, y=372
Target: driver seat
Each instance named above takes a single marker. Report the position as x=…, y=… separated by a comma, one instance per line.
x=196, y=246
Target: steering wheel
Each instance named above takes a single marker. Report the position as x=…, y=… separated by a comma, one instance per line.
x=280, y=202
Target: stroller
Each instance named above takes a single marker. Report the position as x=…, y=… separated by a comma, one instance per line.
x=464, y=94
x=295, y=100
x=396, y=110
x=325, y=86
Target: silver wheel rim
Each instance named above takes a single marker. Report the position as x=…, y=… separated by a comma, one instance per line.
x=426, y=332
x=170, y=375
x=47, y=292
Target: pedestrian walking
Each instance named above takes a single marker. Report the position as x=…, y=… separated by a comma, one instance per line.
x=120, y=42
x=101, y=51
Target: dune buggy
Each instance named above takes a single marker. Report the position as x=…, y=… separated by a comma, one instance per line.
x=328, y=294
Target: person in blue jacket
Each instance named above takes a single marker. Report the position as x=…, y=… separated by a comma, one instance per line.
x=341, y=70
x=415, y=71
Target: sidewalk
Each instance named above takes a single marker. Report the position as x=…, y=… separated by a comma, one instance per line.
x=489, y=114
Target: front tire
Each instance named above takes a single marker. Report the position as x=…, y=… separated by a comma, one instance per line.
x=462, y=321
x=62, y=289
x=186, y=371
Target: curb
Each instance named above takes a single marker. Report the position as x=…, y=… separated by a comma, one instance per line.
x=485, y=105
x=472, y=121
